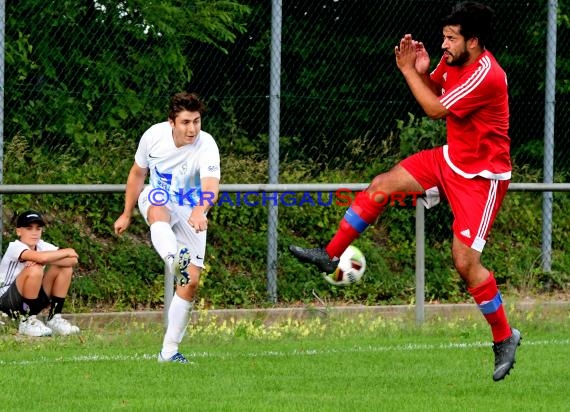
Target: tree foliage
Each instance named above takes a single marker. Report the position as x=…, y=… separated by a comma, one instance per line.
x=79, y=71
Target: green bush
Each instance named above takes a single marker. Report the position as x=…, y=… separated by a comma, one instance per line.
x=126, y=273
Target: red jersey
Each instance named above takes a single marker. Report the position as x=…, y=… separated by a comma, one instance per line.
x=478, y=142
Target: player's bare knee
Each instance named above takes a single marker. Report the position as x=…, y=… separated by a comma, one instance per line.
x=66, y=272
x=74, y=260
x=389, y=182
x=34, y=272
x=467, y=267
x=71, y=263
x=188, y=291
x=378, y=184
x=157, y=214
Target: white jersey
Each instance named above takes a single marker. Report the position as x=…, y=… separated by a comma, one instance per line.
x=11, y=265
x=178, y=170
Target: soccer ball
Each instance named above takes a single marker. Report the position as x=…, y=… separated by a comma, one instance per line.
x=350, y=268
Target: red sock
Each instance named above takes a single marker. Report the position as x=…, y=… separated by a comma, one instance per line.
x=361, y=213
x=489, y=300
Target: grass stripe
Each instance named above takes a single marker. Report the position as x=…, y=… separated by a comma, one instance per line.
x=337, y=365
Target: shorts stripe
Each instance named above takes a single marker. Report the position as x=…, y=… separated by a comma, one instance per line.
x=488, y=211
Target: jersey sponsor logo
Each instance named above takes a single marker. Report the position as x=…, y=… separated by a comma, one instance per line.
x=165, y=178
x=213, y=168
x=152, y=157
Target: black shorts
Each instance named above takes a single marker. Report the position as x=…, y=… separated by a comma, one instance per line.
x=12, y=303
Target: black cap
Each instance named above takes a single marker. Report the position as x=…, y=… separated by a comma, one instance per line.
x=28, y=217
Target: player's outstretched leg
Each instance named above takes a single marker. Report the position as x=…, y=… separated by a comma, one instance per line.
x=505, y=354
x=361, y=213
x=317, y=256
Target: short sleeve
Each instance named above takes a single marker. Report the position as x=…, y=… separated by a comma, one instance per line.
x=141, y=155
x=44, y=246
x=210, y=161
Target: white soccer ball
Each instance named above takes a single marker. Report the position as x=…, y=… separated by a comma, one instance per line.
x=351, y=267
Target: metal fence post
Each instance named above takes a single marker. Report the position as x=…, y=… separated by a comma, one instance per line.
x=274, y=118
x=549, y=112
x=420, y=262
x=2, y=69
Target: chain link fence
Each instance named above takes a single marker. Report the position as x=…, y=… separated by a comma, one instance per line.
x=78, y=70
x=96, y=74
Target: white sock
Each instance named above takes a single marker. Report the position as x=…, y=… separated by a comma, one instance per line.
x=178, y=317
x=163, y=239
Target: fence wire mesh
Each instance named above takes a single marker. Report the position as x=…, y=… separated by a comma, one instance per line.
x=79, y=70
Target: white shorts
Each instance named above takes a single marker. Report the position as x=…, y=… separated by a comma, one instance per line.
x=185, y=234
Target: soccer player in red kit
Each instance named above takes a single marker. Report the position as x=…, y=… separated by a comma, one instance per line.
x=472, y=171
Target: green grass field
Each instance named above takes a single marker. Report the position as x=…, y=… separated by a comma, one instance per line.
x=326, y=363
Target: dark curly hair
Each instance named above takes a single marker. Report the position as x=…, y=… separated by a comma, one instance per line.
x=475, y=20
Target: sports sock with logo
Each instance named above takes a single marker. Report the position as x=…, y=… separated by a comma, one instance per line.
x=361, y=213
x=488, y=298
x=31, y=306
x=56, y=306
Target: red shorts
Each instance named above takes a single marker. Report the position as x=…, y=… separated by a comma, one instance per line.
x=474, y=202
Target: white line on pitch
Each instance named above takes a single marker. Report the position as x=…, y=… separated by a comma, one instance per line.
x=295, y=352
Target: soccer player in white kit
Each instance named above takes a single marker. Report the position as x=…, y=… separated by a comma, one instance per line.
x=184, y=165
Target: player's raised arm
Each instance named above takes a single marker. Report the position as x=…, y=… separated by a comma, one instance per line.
x=422, y=66
x=407, y=62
